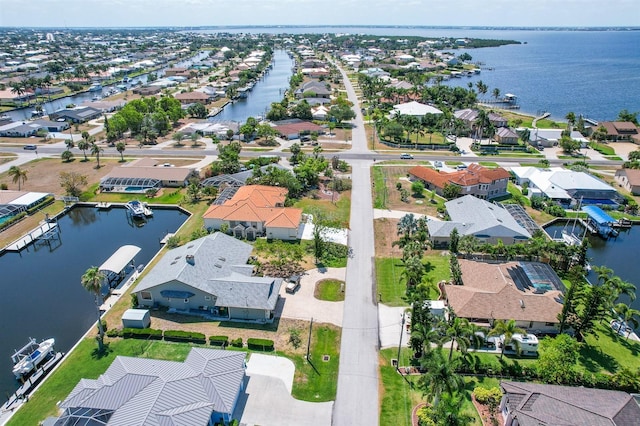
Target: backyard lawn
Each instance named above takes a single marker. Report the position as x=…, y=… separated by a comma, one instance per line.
x=391, y=287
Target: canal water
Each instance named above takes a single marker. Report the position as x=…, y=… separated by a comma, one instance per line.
x=80, y=98
x=41, y=292
x=269, y=89
x=618, y=253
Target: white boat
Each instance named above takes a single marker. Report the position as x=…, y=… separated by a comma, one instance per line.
x=147, y=210
x=136, y=208
x=30, y=356
x=96, y=87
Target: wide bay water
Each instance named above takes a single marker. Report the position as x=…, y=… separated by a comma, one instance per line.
x=41, y=292
x=593, y=73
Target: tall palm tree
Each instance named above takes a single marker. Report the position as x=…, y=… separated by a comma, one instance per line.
x=440, y=378
x=83, y=145
x=450, y=411
x=17, y=175
x=96, y=150
x=120, y=147
x=92, y=281
x=459, y=331
x=506, y=329
x=628, y=316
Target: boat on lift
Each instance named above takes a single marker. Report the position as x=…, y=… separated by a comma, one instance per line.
x=27, y=359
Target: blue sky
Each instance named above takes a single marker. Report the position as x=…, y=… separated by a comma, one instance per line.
x=110, y=13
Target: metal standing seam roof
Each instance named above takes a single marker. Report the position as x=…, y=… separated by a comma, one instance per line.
x=120, y=259
x=597, y=214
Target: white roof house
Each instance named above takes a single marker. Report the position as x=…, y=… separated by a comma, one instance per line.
x=415, y=109
x=486, y=221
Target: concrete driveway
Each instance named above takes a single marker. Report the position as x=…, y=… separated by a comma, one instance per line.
x=302, y=305
x=267, y=398
x=390, y=323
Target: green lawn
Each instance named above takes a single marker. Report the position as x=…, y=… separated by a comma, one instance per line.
x=339, y=211
x=317, y=380
x=613, y=158
x=379, y=189
x=309, y=384
x=391, y=287
x=330, y=290
x=453, y=163
x=603, y=149
x=608, y=352
x=488, y=164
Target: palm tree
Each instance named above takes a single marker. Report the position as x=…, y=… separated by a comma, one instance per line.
x=628, y=316
x=96, y=150
x=83, y=145
x=482, y=122
x=120, y=147
x=496, y=93
x=18, y=175
x=459, y=331
x=506, y=329
x=440, y=378
x=450, y=411
x=92, y=281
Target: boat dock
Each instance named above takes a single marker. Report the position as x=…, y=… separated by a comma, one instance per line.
x=22, y=394
x=46, y=231
x=103, y=205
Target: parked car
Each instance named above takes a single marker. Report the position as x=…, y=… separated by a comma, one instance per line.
x=30, y=147
x=437, y=164
x=293, y=284
x=405, y=156
x=462, y=167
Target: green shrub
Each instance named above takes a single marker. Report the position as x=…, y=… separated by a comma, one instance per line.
x=184, y=336
x=260, y=344
x=114, y=332
x=104, y=325
x=237, y=343
x=219, y=341
x=142, y=333
x=485, y=396
x=12, y=220
x=43, y=203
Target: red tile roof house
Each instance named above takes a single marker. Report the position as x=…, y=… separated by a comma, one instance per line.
x=476, y=180
x=256, y=210
x=629, y=179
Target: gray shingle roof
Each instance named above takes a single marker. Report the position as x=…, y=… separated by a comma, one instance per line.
x=155, y=392
x=218, y=268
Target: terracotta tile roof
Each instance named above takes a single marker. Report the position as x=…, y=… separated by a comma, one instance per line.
x=257, y=203
x=191, y=95
x=473, y=175
x=490, y=292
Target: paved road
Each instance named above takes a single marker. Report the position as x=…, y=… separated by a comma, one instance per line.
x=357, y=397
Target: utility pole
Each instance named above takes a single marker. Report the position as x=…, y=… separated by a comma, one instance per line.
x=400, y=342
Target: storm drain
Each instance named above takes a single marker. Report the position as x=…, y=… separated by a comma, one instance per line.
x=326, y=358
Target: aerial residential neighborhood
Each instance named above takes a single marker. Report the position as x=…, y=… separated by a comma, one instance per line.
x=307, y=229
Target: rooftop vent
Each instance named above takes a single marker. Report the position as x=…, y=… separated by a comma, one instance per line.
x=190, y=259
x=217, y=265
x=522, y=303
x=223, y=259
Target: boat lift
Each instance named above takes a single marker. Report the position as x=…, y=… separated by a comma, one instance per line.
x=115, y=267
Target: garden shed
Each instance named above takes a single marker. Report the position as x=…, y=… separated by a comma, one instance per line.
x=136, y=318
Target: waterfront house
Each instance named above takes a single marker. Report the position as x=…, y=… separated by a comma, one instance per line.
x=551, y=137
x=566, y=187
x=14, y=202
x=313, y=89
x=527, y=292
x=147, y=90
x=621, y=131
x=529, y=404
x=193, y=97
x=486, y=221
x=201, y=391
x=415, y=109
x=482, y=182
x=77, y=115
x=145, y=173
x=469, y=117
x=210, y=276
x=629, y=179
x=256, y=210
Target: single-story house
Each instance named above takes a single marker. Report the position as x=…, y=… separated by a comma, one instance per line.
x=505, y=135
x=193, y=97
x=527, y=292
x=14, y=202
x=629, y=179
x=482, y=182
x=143, y=174
x=621, y=131
x=566, y=186
x=256, y=210
x=469, y=117
x=201, y=391
x=19, y=129
x=535, y=404
x=317, y=88
x=415, y=109
x=486, y=221
x=80, y=114
x=551, y=137
x=52, y=126
x=147, y=90
x=294, y=128
x=210, y=277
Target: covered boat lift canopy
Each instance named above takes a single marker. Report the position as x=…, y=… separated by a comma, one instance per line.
x=119, y=261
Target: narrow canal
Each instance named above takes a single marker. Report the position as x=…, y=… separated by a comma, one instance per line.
x=41, y=292
x=269, y=89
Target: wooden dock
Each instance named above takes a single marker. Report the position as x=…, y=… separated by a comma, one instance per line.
x=44, y=231
x=103, y=205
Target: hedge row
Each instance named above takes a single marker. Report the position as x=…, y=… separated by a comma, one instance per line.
x=12, y=220
x=47, y=200
x=260, y=344
x=192, y=337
